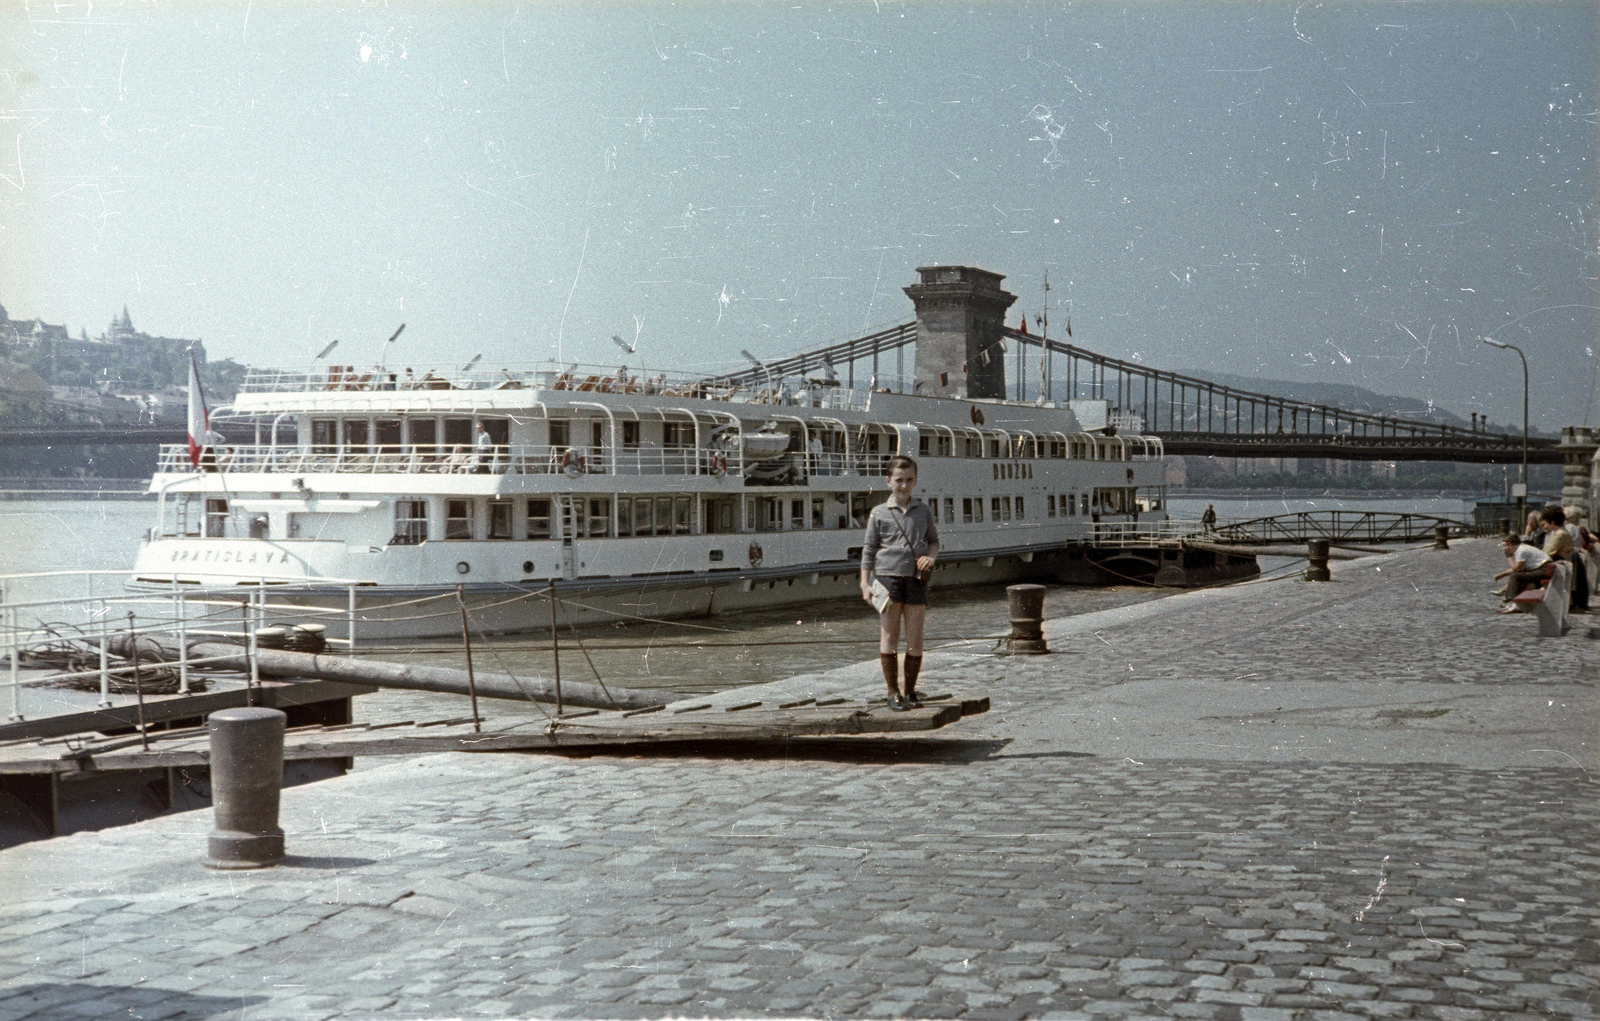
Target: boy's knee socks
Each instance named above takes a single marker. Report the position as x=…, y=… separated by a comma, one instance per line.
x=913, y=667
x=891, y=670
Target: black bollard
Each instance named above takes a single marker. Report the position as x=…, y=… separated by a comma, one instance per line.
x=246, y=776
x=1026, y=606
x=1441, y=536
x=1317, y=568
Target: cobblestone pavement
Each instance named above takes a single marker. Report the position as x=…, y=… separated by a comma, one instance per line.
x=1000, y=871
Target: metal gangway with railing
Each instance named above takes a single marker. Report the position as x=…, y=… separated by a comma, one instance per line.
x=91, y=621
x=1336, y=526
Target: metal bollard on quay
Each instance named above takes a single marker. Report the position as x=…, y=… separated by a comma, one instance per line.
x=1317, y=556
x=246, y=778
x=1026, y=606
x=1441, y=536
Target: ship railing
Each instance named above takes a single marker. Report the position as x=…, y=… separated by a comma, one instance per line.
x=796, y=392
x=1141, y=533
x=503, y=459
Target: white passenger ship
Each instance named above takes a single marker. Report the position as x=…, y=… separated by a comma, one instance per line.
x=383, y=494
x=640, y=498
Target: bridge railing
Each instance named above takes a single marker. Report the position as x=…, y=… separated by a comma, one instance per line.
x=1189, y=412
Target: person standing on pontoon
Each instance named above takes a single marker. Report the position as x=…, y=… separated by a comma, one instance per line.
x=897, y=557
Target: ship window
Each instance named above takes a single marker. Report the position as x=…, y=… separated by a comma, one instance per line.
x=458, y=519
x=457, y=430
x=1020, y=515
x=387, y=433
x=922, y=446
x=324, y=435
x=424, y=437
x=663, y=515
x=816, y=512
x=726, y=518
x=355, y=435
x=681, y=515
x=216, y=518
x=994, y=447
x=677, y=434
x=949, y=510
x=410, y=522
x=1085, y=505
x=630, y=434
x=994, y=508
x=797, y=514
x=560, y=435
x=966, y=510
x=538, y=519
x=1058, y=448
x=624, y=515
x=499, y=519
x=1050, y=506
x=599, y=518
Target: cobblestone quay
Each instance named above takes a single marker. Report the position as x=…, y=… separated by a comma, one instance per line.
x=1366, y=799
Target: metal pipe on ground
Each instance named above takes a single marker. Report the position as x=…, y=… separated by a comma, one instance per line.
x=411, y=676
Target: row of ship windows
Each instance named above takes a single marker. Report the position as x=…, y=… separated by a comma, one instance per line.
x=602, y=517
x=360, y=435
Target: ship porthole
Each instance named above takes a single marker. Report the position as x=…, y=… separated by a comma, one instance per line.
x=527, y=567
x=462, y=567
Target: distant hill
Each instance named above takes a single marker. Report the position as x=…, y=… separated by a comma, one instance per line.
x=1356, y=398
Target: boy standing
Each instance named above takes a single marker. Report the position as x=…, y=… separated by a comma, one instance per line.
x=900, y=548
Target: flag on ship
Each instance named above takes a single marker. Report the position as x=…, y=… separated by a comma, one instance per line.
x=200, y=434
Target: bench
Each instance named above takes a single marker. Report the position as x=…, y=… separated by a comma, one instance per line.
x=1550, y=603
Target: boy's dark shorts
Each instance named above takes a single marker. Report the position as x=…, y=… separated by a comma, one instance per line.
x=906, y=590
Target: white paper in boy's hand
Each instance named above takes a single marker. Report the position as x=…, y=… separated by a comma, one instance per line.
x=880, y=595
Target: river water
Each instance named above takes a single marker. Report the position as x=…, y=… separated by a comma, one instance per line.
x=78, y=537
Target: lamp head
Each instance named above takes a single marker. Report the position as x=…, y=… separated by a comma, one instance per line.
x=1495, y=343
x=751, y=358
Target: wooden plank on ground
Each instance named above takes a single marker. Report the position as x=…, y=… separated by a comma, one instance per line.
x=192, y=748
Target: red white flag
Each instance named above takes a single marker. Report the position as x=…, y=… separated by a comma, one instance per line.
x=199, y=415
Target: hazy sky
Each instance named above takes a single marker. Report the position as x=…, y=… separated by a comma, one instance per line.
x=1342, y=192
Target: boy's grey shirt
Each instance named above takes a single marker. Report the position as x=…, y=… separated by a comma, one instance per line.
x=885, y=551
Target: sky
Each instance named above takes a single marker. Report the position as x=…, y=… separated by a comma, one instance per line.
x=1347, y=193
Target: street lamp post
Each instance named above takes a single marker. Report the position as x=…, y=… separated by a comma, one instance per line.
x=1522, y=501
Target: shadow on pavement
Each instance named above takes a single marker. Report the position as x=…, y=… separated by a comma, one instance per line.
x=309, y=861
x=947, y=751
x=82, y=999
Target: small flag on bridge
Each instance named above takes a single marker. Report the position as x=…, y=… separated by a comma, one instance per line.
x=944, y=379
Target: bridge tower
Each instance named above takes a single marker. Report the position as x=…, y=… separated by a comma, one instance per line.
x=960, y=312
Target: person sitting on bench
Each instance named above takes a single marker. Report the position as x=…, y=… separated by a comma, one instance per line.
x=1527, y=567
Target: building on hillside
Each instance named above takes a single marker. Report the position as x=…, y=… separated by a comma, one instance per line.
x=29, y=333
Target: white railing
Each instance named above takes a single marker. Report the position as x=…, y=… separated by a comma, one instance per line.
x=519, y=459
x=1127, y=423
x=231, y=612
x=577, y=379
